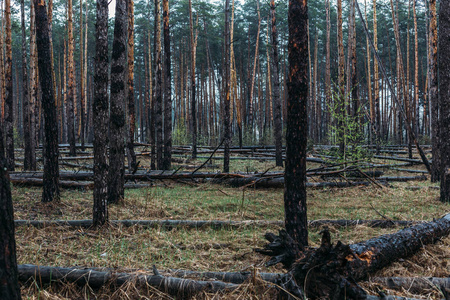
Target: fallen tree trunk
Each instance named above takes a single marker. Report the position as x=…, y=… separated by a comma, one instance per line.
x=215, y=223
x=412, y=161
x=336, y=269
x=62, y=183
x=413, y=284
x=174, y=286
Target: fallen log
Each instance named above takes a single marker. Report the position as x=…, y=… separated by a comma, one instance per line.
x=174, y=286
x=412, y=161
x=413, y=284
x=403, y=178
x=62, y=183
x=215, y=224
x=336, y=269
x=410, y=170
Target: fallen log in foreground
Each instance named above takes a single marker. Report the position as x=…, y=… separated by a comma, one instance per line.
x=179, y=287
x=336, y=269
x=217, y=224
x=413, y=284
x=174, y=286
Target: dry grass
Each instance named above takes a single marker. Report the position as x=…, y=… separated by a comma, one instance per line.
x=207, y=249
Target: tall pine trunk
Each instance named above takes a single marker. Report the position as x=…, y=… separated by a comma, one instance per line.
x=117, y=123
x=158, y=88
x=444, y=94
x=70, y=106
x=297, y=125
x=132, y=167
x=9, y=102
x=277, y=130
x=433, y=93
x=226, y=85
x=167, y=90
x=50, y=150
x=100, y=115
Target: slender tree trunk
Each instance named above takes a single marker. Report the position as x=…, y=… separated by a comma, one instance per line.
x=376, y=81
x=354, y=75
x=132, y=167
x=167, y=90
x=158, y=88
x=226, y=76
x=253, y=78
x=444, y=94
x=50, y=150
x=117, y=123
x=340, y=106
x=29, y=154
x=100, y=115
x=328, y=105
x=416, y=71
x=433, y=93
x=297, y=126
x=82, y=83
x=193, y=87
x=9, y=277
x=33, y=83
x=277, y=130
x=9, y=100
x=71, y=89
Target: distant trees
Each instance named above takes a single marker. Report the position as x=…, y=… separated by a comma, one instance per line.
x=50, y=149
x=297, y=127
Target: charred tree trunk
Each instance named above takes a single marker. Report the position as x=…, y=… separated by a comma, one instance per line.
x=29, y=153
x=9, y=285
x=297, y=126
x=117, y=122
x=433, y=93
x=444, y=96
x=9, y=102
x=340, y=105
x=158, y=88
x=226, y=84
x=100, y=115
x=51, y=168
x=132, y=167
x=277, y=130
x=167, y=156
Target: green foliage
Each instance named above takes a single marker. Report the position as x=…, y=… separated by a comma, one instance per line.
x=347, y=130
x=179, y=133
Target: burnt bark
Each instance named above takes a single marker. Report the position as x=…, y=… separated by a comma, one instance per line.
x=70, y=105
x=29, y=154
x=336, y=269
x=117, y=121
x=158, y=88
x=100, y=115
x=51, y=151
x=9, y=285
x=297, y=126
x=226, y=84
x=433, y=93
x=444, y=96
x=277, y=130
x=9, y=102
x=167, y=155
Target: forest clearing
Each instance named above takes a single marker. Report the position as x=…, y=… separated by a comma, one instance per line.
x=224, y=150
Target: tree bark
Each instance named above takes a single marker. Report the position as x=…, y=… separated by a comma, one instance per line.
x=297, y=126
x=433, y=93
x=51, y=151
x=9, y=285
x=340, y=105
x=444, y=103
x=277, y=130
x=167, y=91
x=29, y=154
x=117, y=121
x=9, y=101
x=100, y=115
x=193, y=87
x=226, y=85
x=130, y=95
x=70, y=105
x=158, y=88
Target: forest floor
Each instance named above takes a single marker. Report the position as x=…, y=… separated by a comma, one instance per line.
x=210, y=249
